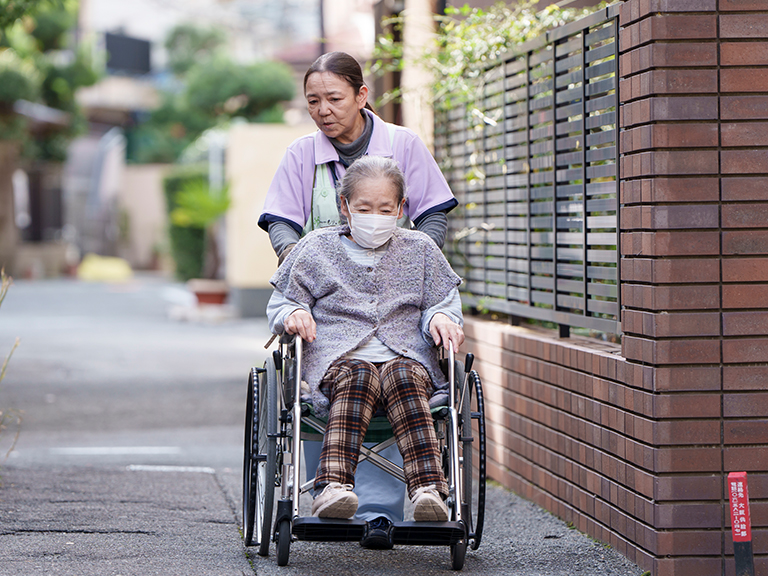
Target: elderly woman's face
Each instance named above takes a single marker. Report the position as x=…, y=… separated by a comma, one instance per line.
x=334, y=106
x=374, y=196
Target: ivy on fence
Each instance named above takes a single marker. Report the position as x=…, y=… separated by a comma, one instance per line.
x=526, y=135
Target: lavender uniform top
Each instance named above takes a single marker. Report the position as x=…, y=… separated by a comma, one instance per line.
x=289, y=198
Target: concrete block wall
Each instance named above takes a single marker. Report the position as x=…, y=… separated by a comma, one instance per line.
x=633, y=444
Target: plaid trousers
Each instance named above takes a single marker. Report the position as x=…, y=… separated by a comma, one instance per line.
x=356, y=389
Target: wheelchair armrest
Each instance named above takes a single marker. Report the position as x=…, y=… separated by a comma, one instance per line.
x=286, y=338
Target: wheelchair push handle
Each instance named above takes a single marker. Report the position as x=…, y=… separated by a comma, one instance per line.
x=296, y=440
x=451, y=376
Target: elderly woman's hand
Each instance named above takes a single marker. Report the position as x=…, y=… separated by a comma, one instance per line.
x=445, y=330
x=301, y=322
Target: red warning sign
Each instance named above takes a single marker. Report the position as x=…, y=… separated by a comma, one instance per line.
x=739, y=500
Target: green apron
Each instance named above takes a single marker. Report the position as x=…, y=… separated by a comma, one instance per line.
x=325, y=200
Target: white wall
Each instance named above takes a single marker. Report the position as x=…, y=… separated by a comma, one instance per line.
x=141, y=198
x=419, y=30
x=254, y=152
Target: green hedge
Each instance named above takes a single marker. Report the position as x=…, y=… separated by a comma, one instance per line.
x=187, y=243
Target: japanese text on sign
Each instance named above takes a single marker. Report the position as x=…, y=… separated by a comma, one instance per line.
x=739, y=502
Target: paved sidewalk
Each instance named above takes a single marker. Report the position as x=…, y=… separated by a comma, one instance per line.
x=130, y=453
x=84, y=521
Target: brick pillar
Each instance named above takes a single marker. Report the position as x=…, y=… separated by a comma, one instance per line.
x=744, y=248
x=694, y=227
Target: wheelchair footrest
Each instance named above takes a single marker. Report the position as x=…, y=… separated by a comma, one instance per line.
x=428, y=533
x=328, y=529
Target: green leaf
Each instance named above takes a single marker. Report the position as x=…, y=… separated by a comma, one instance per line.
x=198, y=206
x=467, y=37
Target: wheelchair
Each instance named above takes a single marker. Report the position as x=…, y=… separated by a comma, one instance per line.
x=276, y=421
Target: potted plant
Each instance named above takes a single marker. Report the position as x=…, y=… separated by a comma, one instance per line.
x=199, y=207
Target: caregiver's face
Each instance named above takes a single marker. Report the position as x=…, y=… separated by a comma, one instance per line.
x=335, y=107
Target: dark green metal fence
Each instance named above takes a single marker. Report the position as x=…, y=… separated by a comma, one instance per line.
x=533, y=161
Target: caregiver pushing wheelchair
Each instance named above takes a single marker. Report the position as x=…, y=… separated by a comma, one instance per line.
x=303, y=197
x=369, y=304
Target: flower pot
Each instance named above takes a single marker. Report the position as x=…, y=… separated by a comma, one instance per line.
x=208, y=291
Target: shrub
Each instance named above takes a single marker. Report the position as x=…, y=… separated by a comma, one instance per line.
x=223, y=87
x=187, y=242
x=51, y=27
x=187, y=44
x=170, y=128
x=18, y=79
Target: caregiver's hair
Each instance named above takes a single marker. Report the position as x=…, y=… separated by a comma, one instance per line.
x=374, y=167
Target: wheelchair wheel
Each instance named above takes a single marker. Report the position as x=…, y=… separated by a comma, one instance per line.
x=472, y=433
x=459, y=550
x=283, y=534
x=249, y=495
x=267, y=445
x=259, y=466
x=458, y=553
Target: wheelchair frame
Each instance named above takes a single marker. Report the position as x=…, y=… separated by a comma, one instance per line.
x=272, y=459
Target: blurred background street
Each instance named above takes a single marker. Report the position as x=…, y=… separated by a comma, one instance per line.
x=102, y=365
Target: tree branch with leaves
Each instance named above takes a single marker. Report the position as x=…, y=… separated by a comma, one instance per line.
x=13, y=10
x=466, y=39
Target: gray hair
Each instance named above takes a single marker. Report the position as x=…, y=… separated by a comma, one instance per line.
x=372, y=167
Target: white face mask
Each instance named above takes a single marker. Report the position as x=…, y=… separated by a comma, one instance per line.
x=371, y=230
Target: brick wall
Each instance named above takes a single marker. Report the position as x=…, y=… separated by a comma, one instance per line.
x=564, y=429
x=633, y=445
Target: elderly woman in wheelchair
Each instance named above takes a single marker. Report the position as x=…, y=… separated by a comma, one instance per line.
x=372, y=302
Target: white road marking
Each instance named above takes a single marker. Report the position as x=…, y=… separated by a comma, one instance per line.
x=146, y=468
x=115, y=450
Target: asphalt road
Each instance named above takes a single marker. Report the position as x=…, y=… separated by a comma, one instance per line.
x=129, y=456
